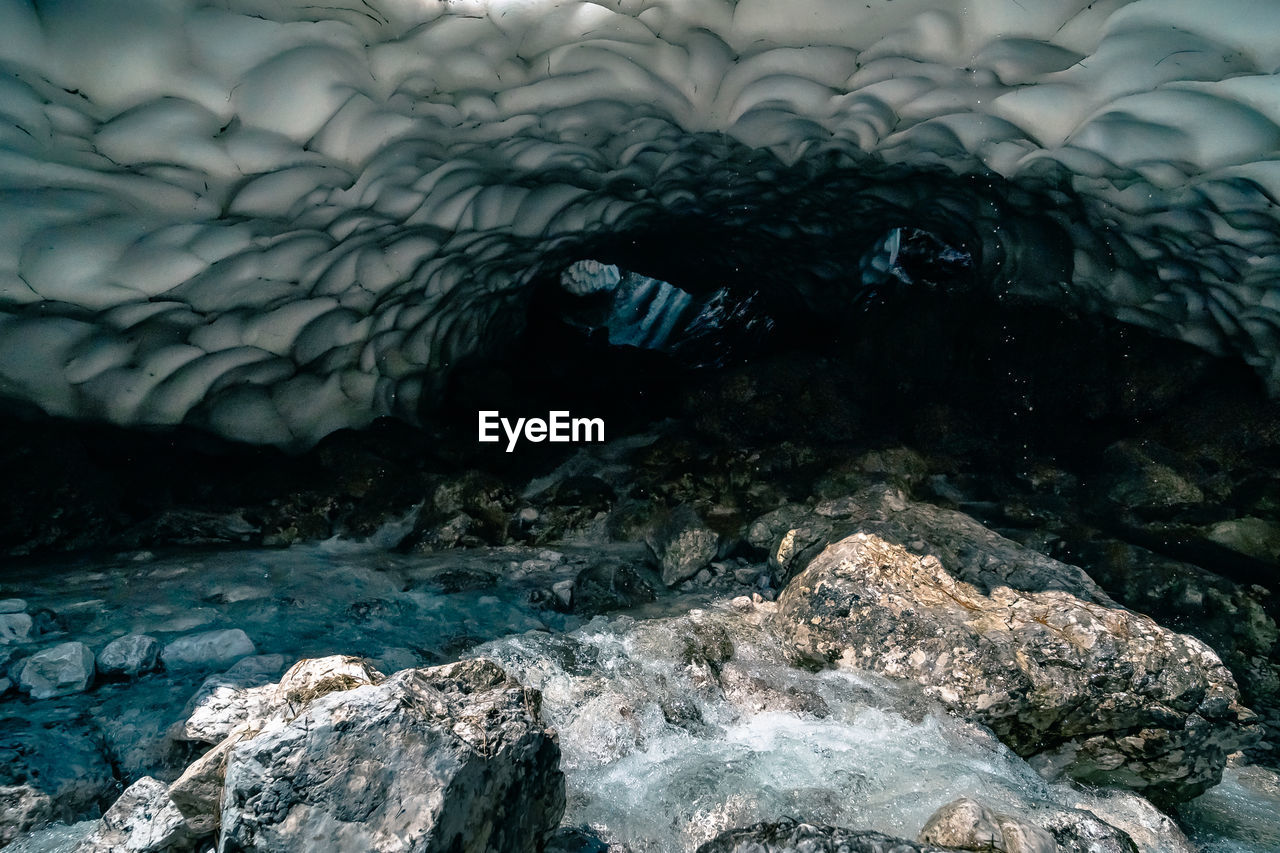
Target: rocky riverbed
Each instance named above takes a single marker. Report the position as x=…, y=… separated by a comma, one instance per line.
x=662, y=646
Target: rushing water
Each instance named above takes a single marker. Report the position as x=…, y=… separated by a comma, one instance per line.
x=673, y=727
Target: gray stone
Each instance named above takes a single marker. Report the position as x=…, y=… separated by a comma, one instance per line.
x=14, y=628
x=966, y=824
x=57, y=671
x=5, y=684
x=971, y=552
x=197, y=793
x=684, y=545
x=788, y=836
x=208, y=650
x=22, y=808
x=142, y=820
x=1102, y=694
x=12, y=605
x=451, y=758
x=1254, y=537
x=130, y=655
x=224, y=702
x=1135, y=480
x=563, y=592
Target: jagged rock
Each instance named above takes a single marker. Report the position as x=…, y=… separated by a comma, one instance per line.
x=15, y=628
x=197, y=793
x=129, y=655
x=450, y=758
x=22, y=808
x=966, y=824
x=1099, y=693
x=1234, y=619
x=208, y=649
x=1076, y=831
x=229, y=699
x=789, y=836
x=142, y=820
x=683, y=545
x=972, y=552
x=57, y=671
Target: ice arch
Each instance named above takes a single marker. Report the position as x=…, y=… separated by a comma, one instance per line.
x=275, y=219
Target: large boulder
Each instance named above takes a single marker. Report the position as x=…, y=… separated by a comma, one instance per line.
x=1097, y=692
x=450, y=758
x=793, y=535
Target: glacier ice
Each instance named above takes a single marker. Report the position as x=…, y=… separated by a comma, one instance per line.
x=273, y=219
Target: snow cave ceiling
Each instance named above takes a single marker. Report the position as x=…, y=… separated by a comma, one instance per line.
x=273, y=220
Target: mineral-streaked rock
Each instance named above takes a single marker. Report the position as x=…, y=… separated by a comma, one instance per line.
x=683, y=545
x=142, y=820
x=21, y=808
x=209, y=649
x=966, y=824
x=129, y=655
x=791, y=837
x=1102, y=694
x=794, y=535
x=57, y=671
x=450, y=758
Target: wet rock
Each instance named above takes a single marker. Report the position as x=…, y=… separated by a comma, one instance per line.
x=1077, y=831
x=1099, y=693
x=58, y=760
x=611, y=584
x=789, y=836
x=1253, y=537
x=207, y=650
x=15, y=628
x=138, y=734
x=22, y=808
x=971, y=552
x=129, y=656
x=5, y=685
x=57, y=838
x=450, y=758
x=143, y=820
x=197, y=793
x=1236, y=620
x=57, y=671
x=12, y=605
x=1143, y=478
x=228, y=700
x=966, y=824
x=579, y=839
x=683, y=545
